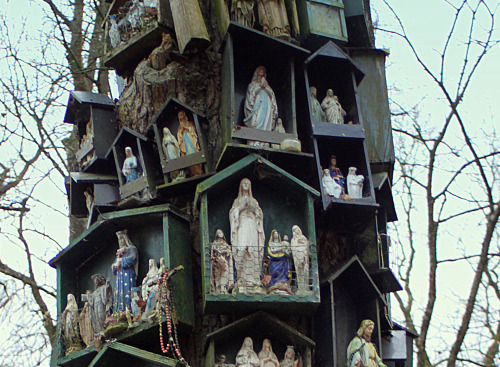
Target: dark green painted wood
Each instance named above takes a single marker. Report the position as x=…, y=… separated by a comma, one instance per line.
x=144, y=355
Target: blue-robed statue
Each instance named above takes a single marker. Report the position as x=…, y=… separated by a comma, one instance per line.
x=130, y=169
x=125, y=270
x=278, y=263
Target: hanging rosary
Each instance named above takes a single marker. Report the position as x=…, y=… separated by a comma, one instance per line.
x=164, y=287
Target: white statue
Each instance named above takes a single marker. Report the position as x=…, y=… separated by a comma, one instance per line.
x=246, y=356
x=247, y=238
x=171, y=150
x=221, y=257
x=330, y=187
x=100, y=303
x=333, y=110
x=261, y=109
x=149, y=289
x=130, y=169
x=289, y=359
x=301, y=251
x=279, y=128
x=69, y=326
x=266, y=356
x=354, y=184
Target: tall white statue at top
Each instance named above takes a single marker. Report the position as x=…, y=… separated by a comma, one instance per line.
x=247, y=239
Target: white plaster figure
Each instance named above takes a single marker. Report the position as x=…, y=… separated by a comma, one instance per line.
x=330, y=187
x=247, y=239
x=354, y=184
x=289, y=359
x=279, y=128
x=333, y=110
x=246, y=356
x=301, y=251
x=266, y=356
x=149, y=289
x=69, y=327
x=221, y=257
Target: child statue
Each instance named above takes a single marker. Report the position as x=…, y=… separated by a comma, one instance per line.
x=221, y=257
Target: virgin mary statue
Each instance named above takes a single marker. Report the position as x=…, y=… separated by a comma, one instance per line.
x=247, y=238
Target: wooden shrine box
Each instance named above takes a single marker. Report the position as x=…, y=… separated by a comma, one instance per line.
x=373, y=103
x=167, y=117
x=156, y=231
x=94, y=115
x=148, y=165
x=397, y=346
x=259, y=326
x=133, y=31
x=285, y=201
x=348, y=296
x=244, y=50
x=103, y=189
x=321, y=20
x=359, y=23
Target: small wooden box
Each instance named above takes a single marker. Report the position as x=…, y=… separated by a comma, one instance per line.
x=94, y=115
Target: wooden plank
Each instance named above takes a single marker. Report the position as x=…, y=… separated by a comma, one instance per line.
x=98, y=357
x=133, y=187
x=85, y=149
x=190, y=28
x=183, y=162
x=338, y=130
x=144, y=355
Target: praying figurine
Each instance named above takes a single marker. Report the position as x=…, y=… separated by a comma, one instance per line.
x=100, y=303
x=149, y=289
x=278, y=259
x=261, y=109
x=246, y=356
x=247, y=238
x=266, y=356
x=355, y=184
x=273, y=18
x=279, y=128
x=330, y=187
x=125, y=270
x=129, y=168
x=221, y=257
x=316, y=110
x=301, y=251
x=333, y=110
x=289, y=359
x=188, y=140
x=69, y=326
x=242, y=12
x=361, y=351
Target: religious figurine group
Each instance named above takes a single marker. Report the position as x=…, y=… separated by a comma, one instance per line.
x=186, y=143
x=132, y=18
x=272, y=16
x=108, y=306
x=329, y=110
x=247, y=265
x=246, y=356
x=334, y=183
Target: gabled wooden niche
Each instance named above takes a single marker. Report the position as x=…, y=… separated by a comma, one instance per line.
x=192, y=164
x=258, y=326
x=285, y=201
x=135, y=28
x=348, y=296
x=320, y=21
x=91, y=194
x=156, y=232
x=244, y=51
x=148, y=165
x=94, y=116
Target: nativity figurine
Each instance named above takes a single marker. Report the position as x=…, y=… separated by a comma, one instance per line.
x=100, y=303
x=354, y=184
x=246, y=356
x=221, y=257
x=316, y=111
x=242, y=12
x=188, y=140
x=247, y=238
x=301, y=250
x=261, y=109
x=130, y=168
x=69, y=326
x=125, y=270
x=278, y=263
x=273, y=18
x=289, y=358
x=333, y=110
x=266, y=356
x=330, y=187
x=361, y=351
